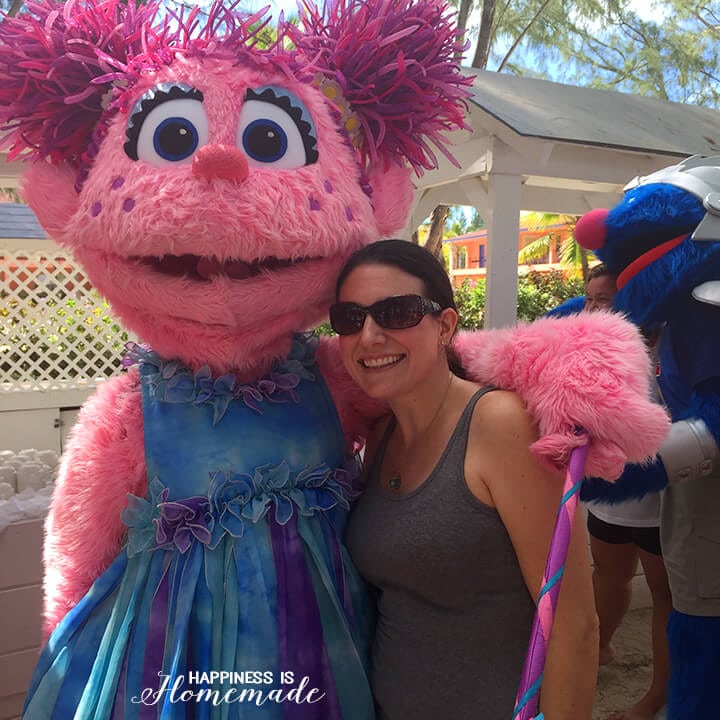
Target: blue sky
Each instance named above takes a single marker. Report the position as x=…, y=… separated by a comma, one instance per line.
x=289, y=6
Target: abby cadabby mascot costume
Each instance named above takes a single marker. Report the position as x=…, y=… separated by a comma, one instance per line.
x=212, y=185
x=663, y=240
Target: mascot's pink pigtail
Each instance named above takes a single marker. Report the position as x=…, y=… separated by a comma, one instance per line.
x=60, y=62
x=390, y=67
x=54, y=66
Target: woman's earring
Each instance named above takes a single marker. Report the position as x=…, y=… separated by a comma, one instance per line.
x=444, y=343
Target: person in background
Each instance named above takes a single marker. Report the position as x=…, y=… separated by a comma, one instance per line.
x=622, y=534
x=600, y=289
x=455, y=521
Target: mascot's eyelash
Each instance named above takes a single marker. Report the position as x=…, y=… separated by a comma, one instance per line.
x=151, y=99
x=285, y=103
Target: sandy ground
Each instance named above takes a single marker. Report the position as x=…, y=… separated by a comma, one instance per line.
x=627, y=677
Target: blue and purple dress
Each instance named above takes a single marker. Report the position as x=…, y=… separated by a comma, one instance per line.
x=234, y=587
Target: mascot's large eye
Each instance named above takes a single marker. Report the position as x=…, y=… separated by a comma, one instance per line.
x=276, y=130
x=167, y=125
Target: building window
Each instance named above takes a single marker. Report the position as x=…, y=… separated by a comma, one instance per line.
x=461, y=258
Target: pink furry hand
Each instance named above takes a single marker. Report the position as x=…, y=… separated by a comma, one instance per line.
x=588, y=371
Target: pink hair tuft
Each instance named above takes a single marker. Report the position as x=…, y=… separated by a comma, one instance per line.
x=397, y=64
x=50, y=58
x=59, y=62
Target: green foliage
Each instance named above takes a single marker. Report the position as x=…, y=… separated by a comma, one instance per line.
x=661, y=48
x=476, y=222
x=540, y=292
x=572, y=257
x=470, y=301
x=457, y=222
x=537, y=293
x=323, y=329
x=65, y=336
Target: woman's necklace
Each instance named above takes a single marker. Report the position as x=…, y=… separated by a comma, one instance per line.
x=395, y=480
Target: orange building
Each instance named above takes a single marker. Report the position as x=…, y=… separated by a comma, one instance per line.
x=467, y=254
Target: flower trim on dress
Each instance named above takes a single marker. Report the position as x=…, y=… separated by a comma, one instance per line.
x=234, y=499
x=171, y=381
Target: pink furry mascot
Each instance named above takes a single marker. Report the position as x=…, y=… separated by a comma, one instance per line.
x=212, y=188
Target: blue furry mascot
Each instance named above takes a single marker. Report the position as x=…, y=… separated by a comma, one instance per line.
x=663, y=241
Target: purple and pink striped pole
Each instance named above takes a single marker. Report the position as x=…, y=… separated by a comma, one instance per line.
x=526, y=704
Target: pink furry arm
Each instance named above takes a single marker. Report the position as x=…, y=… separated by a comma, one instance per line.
x=357, y=411
x=590, y=371
x=104, y=461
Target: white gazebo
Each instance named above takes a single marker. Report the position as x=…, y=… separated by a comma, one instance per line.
x=544, y=146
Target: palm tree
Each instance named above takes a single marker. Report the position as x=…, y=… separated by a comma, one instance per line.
x=573, y=258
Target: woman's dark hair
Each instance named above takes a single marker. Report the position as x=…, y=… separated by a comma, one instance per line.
x=413, y=260
x=599, y=271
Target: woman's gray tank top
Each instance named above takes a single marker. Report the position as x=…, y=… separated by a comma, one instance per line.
x=454, y=614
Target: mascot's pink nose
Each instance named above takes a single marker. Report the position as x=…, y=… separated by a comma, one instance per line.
x=220, y=161
x=590, y=231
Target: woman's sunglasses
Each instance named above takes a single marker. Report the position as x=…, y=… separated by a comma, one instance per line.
x=392, y=313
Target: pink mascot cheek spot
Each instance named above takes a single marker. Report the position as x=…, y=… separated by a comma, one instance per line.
x=328, y=186
x=314, y=204
x=128, y=205
x=590, y=231
x=95, y=209
x=117, y=183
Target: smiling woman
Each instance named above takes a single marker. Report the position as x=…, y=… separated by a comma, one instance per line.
x=439, y=531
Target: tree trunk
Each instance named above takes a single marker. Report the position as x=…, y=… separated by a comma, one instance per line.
x=482, y=51
x=437, y=225
x=15, y=8
x=463, y=13
x=584, y=262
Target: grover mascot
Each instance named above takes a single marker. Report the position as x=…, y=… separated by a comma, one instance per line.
x=663, y=241
x=212, y=187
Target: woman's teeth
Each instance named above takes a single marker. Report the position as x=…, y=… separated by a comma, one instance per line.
x=381, y=362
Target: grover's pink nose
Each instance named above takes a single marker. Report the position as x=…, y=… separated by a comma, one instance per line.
x=220, y=161
x=590, y=231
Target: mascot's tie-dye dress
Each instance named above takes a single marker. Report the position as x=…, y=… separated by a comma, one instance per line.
x=233, y=564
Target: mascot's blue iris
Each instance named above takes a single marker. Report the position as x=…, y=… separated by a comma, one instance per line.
x=175, y=139
x=264, y=140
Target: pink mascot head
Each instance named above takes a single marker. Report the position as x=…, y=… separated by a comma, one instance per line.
x=211, y=187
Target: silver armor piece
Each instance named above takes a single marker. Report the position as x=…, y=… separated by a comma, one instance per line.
x=708, y=292
x=700, y=176
x=689, y=451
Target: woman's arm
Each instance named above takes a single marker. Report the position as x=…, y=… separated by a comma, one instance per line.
x=502, y=470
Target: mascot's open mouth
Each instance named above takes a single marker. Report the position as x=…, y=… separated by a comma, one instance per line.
x=198, y=267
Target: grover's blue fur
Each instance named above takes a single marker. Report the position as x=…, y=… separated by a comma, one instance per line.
x=570, y=307
x=648, y=298
x=650, y=215
x=694, y=657
x=635, y=482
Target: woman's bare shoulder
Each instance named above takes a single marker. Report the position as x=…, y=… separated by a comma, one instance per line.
x=502, y=412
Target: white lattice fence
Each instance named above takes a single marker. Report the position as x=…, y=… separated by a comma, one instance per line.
x=55, y=331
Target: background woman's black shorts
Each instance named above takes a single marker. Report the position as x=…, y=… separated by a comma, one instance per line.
x=646, y=538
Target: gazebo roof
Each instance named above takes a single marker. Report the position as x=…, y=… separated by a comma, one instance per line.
x=573, y=148
x=18, y=222
x=586, y=116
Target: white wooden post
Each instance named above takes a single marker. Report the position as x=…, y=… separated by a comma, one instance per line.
x=503, y=223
